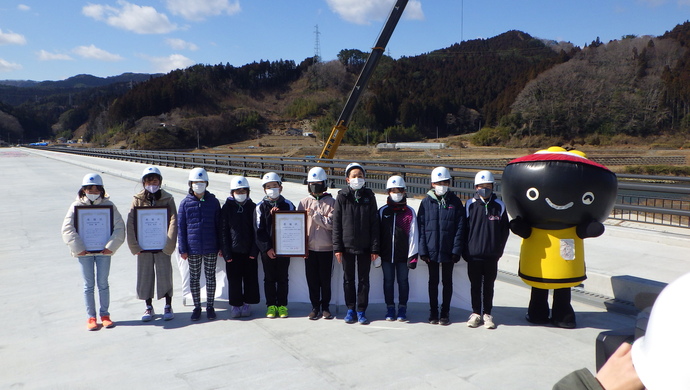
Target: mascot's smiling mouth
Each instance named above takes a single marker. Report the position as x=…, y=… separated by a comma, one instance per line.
x=558, y=207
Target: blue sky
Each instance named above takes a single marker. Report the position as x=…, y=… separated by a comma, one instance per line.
x=56, y=39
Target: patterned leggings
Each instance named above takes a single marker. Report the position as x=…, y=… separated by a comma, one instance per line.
x=209, y=261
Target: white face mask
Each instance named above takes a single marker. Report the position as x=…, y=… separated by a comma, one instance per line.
x=152, y=189
x=93, y=197
x=273, y=193
x=199, y=188
x=240, y=197
x=440, y=190
x=356, y=183
x=397, y=196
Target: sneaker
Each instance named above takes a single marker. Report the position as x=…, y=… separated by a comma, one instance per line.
x=272, y=311
x=314, y=314
x=433, y=320
x=390, y=314
x=402, y=313
x=236, y=312
x=489, y=321
x=350, y=317
x=92, y=324
x=246, y=310
x=282, y=311
x=196, y=314
x=326, y=314
x=444, y=321
x=211, y=313
x=107, y=323
x=474, y=321
x=148, y=314
x=168, y=313
x=362, y=318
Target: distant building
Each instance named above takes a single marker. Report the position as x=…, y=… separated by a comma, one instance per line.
x=411, y=145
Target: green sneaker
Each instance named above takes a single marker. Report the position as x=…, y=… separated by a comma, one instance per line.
x=282, y=311
x=271, y=312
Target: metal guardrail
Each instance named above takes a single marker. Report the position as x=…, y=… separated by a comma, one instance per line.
x=663, y=200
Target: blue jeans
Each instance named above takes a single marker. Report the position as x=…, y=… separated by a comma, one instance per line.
x=390, y=270
x=101, y=265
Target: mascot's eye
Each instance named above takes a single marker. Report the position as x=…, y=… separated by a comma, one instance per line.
x=588, y=198
x=533, y=194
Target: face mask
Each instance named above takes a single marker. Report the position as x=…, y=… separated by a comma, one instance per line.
x=241, y=197
x=93, y=197
x=356, y=183
x=440, y=190
x=396, y=196
x=485, y=192
x=273, y=193
x=199, y=188
x=316, y=188
x=152, y=189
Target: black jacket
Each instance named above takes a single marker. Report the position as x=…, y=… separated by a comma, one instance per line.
x=398, y=245
x=441, y=224
x=487, y=229
x=355, y=222
x=237, y=228
x=264, y=221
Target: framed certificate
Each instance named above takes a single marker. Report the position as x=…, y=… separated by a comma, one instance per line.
x=151, y=227
x=94, y=225
x=290, y=233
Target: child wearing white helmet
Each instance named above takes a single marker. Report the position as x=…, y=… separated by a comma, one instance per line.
x=441, y=223
x=198, y=239
x=94, y=251
x=154, y=267
x=239, y=248
x=398, y=247
x=488, y=229
x=318, y=264
x=275, y=267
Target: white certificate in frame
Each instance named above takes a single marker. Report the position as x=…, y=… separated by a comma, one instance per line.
x=94, y=225
x=151, y=227
x=290, y=233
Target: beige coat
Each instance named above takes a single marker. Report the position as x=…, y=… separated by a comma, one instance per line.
x=69, y=230
x=319, y=222
x=140, y=201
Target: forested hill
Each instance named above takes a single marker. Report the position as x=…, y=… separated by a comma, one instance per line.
x=512, y=86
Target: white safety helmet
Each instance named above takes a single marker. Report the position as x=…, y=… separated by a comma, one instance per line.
x=198, y=174
x=316, y=174
x=395, y=182
x=269, y=177
x=237, y=182
x=353, y=165
x=660, y=355
x=92, y=179
x=483, y=177
x=440, y=174
x=151, y=170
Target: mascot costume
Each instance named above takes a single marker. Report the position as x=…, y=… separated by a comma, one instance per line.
x=556, y=199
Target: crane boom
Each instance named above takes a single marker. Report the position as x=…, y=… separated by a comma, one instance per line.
x=338, y=131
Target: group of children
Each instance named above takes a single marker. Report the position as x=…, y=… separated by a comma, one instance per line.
x=350, y=228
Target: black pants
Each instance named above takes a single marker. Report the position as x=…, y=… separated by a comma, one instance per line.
x=358, y=297
x=275, y=280
x=482, y=275
x=318, y=267
x=243, y=279
x=561, y=309
x=447, y=280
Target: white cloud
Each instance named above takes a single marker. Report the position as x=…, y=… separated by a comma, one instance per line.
x=10, y=38
x=131, y=17
x=46, y=56
x=6, y=66
x=198, y=10
x=94, y=53
x=366, y=11
x=172, y=62
x=179, y=44
x=23, y=7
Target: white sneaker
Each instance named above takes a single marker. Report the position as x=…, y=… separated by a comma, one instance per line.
x=246, y=310
x=489, y=321
x=474, y=321
x=236, y=312
x=168, y=313
x=148, y=314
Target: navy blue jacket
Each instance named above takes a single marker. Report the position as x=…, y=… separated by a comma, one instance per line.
x=487, y=229
x=441, y=227
x=264, y=221
x=198, y=222
x=237, y=228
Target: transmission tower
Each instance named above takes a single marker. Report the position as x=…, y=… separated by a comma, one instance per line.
x=317, y=45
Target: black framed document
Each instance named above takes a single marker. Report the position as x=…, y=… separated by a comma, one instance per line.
x=290, y=233
x=151, y=227
x=94, y=225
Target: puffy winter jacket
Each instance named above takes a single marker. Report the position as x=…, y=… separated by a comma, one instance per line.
x=319, y=221
x=72, y=238
x=487, y=229
x=264, y=220
x=160, y=199
x=198, y=222
x=356, y=222
x=441, y=224
x=399, y=234
x=237, y=228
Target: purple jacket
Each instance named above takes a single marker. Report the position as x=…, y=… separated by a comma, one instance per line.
x=198, y=222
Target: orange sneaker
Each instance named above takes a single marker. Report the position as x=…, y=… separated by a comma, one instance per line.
x=107, y=322
x=92, y=325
